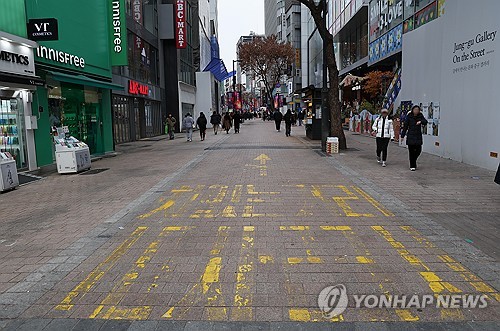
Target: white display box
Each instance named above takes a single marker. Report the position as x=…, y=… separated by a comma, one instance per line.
x=8, y=175
x=72, y=160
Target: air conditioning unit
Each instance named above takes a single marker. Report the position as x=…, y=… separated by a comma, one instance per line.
x=298, y=72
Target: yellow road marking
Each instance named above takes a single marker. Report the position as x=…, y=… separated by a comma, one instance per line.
x=205, y=213
x=374, y=202
x=263, y=158
x=310, y=315
x=177, y=212
x=236, y=195
x=434, y=282
x=243, y=298
x=364, y=259
x=342, y=203
x=229, y=212
x=163, y=207
x=264, y=259
x=335, y=228
x=208, y=291
x=183, y=189
x=294, y=228
x=122, y=288
x=475, y=281
x=220, y=193
x=83, y=287
x=316, y=192
x=251, y=191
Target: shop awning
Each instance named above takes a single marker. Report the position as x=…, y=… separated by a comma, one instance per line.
x=84, y=80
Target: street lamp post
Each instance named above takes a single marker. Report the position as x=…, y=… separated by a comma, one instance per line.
x=325, y=112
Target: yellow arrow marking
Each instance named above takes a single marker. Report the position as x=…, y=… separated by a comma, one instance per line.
x=263, y=158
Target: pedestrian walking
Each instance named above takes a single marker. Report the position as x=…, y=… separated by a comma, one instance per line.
x=413, y=131
x=188, y=125
x=202, y=125
x=215, y=120
x=288, y=122
x=237, y=122
x=385, y=133
x=278, y=117
x=497, y=177
x=227, y=123
x=170, y=126
x=301, y=117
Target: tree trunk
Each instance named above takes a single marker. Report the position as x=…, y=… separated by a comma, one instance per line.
x=333, y=95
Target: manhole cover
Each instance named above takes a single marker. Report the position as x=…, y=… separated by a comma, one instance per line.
x=94, y=171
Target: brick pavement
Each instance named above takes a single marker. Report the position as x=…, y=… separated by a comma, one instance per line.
x=246, y=227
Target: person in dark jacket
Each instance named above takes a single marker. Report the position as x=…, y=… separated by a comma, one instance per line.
x=288, y=122
x=237, y=121
x=301, y=117
x=413, y=131
x=227, y=123
x=497, y=177
x=278, y=117
x=215, y=120
x=202, y=125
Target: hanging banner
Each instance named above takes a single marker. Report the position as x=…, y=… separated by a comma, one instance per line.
x=180, y=24
x=118, y=32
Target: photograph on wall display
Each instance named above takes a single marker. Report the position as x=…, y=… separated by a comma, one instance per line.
x=435, y=124
x=431, y=111
x=425, y=112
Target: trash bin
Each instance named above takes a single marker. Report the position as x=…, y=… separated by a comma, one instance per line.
x=332, y=145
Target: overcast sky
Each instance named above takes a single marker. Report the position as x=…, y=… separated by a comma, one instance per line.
x=237, y=18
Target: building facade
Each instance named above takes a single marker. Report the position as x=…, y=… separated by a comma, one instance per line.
x=77, y=71
x=137, y=109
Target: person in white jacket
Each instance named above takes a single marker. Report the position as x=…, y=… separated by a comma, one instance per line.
x=385, y=133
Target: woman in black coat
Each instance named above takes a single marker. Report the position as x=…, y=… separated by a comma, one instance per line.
x=202, y=125
x=413, y=131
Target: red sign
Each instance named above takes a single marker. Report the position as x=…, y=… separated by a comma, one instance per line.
x=180, y=24
x=137, y=88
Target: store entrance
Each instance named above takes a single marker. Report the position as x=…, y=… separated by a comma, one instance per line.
x=12, y=130
x=78, y=108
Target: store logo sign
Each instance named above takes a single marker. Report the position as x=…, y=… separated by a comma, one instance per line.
x=60, y=56
x=43, y=29
x=118, y=33
x=180, y=24
x=137, y=88
x=16, y=59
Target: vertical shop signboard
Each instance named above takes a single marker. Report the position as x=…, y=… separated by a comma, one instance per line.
x=137, y=13
x=180, y=24
x=118, y=32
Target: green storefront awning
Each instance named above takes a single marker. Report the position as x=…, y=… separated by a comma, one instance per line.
x=84, y=80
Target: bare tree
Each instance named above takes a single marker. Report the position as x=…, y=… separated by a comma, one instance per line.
x=267, y=59
x=318, y=12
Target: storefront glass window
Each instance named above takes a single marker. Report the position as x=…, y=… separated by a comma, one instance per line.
x=78, y=108
x=419, y=4
x=142, y=59
x=12, y=132
x=144, y=12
